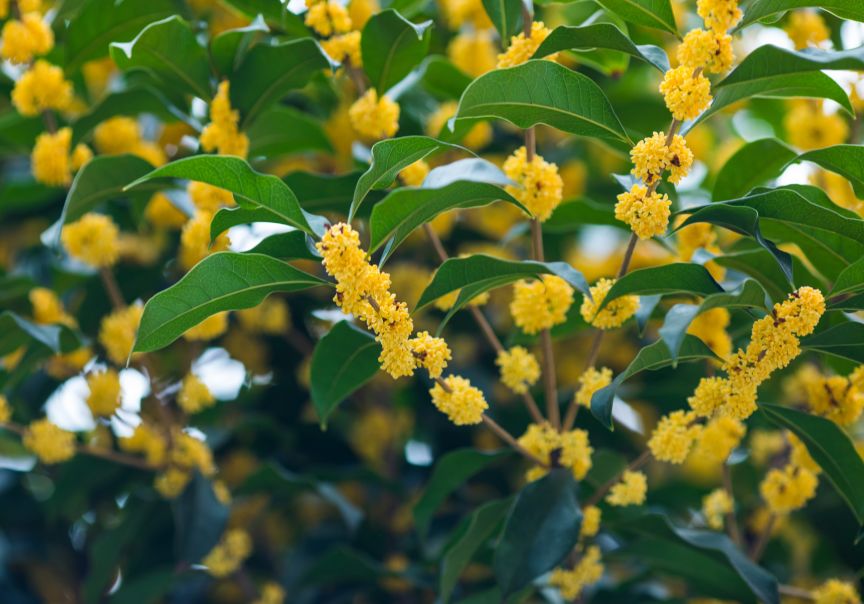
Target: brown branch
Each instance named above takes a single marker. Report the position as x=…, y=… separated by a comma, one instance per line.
x=508, y=438
x=604, y=488
x=112, y=288
x=731, y=520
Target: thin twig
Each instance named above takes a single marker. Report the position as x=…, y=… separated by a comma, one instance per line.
x=112, y=288
x=508, y=438
x=796, y=592
x=731, y=519
x=764, y=538
x=628, y=255
x=604, y=488
x=551, y=388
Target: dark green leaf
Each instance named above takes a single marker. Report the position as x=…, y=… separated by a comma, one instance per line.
x=102, y=22
x=760, y=9
x=845, y=341
x=543, y=92
x=477, y=530
x=830, y=447
x=845, y=160
x=677, y=278
x=283, y=130
x=752, y=165
x=199, y=519
x=168, y=51
x=649, y=13
x=850, y=280
x=231, y=217
x=228, y=48
x=295, y=245
x=268, y=73
x=541, y=530
x=442, y=78
x=450, y=473
x=132, y=102
x=147, y=588
x=342, y=564
x=601, y=35
x=389, y=157
x=344, y=359
x=276, y=15
x=391, y=47
x=323, y=192
x=652, y=357
x=222, y=281
x=506, y=16
x=249, y=187
x=570, y=216
x=16, y=331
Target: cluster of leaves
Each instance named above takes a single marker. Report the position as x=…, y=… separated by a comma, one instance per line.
x=352, y=483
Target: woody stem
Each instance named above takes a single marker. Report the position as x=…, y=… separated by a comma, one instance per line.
x=112, y=288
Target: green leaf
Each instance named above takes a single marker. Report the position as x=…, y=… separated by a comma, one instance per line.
x=443, y=79
x=344, y=359
x=752, y=165
x=760, y=9
x=830, y=447
x=601, y=35
x=249, y=187
x=283, y=131
x=102, y=22
x=770, y=71
x=678, y=318
x=222, y=281
x=845, y=160
x=845, y=341
x=324, y=192
x=295, y=245
x=652, y=357
x=403, y=210
x=226, y=218
x=132, y=102
x=648, y=13
x=199, y=520
x=276, y=15
x=16, y=331
x=391, y=156
x=169, y=51
x=541, y=530
x=506, y=16
x=450, y=473
x=475, y=532
x=668, y=279
x=228, y=48
x=713, y=561
x=267, y=73
x=543, y=92
x=342, y=564
x=391, y=47
x=572, y=215
x=850, y=280
x=146, y=588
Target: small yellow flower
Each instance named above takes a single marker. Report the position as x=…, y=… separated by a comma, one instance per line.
x=117, y=135
x=652, y=157
x=414, y=174
x=590, y=521
x=519, y=369
x=646, y=212
x=541, y=303
x=461, y=402
x=24, y=39
x=476, y=138
x=50, y=443
x=788, y=489
x=613, y=314
x=587, y=571
x=146, y=439
x=630, y=491
x=709, y=396
x=171, y=482
x=809, y=127
x=719, y=15
x=194, y=395
x=590, y=382
x=47, y=307
x=162, y=213
x=710, y=327
x=673, y=436
x=5, y=410
x=271, y=317
x=686, y=95
x=473, y=52
x=361, y=11
x=835, y=591
x=92, y=239
x=571, y=449
x=539, y=186
x=807, y=28
x=195, y=244
x=228, y=555
x=104, y=396
x=374, y=118
x=521, y=48
x=715, y=506
x=42, y=88
x=222, y=133
x=328, y=18
x=707, y=49
x=344, y=47
x=431, y=353
x=117, y=332
x=51, y=160
x=209, y=329
x=271, y=593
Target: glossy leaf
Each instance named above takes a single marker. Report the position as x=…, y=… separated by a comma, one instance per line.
x=652, y=357
x=450, y=473
x=845, y=341
x=228, y=48
x=283, y=131
x=648, y=13
x=830, y=447
x=543, y=92
x=850, y=280
x=16, y=331
x=541, y=530
x=677, y=278
x=131, y=102
x=752, y=165
x=248, y=186
x=588, y=38
x=222, y=281
x=231, y=217
x=442, y=78
x=295, y=245
x=276, y=15
x=391, y=47
x=168, y=51
x=268, y=73
x=845, y=160
x=344, y=359
x=506, y=16
x=199, y=520
x=760, y=9
x=389, y=157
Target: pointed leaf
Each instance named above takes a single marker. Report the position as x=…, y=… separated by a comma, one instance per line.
x=760, y=9
x=199, y=520
x=845, y=341
x=850, y=280
x=228, y=48
x=752, y=165
x=506, y=16
x=295, y=245
x=220, y=282
x=283, y=131
x=391, y=47
x=601, y=35
x=677, y=278
x=16, y=331
x=648, y=13
x=845, y=160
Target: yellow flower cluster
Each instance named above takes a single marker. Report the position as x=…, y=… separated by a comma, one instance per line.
x=228, y=555
x=521, y=48
x=565, y=449
x=271, y=593
x=840, y=399
x=686, y=92
x=195, y=244
x=104, y=396
x=460, y=12
x=271, y=317
x=459, y=400
x=715, y=506
x=591, y=517
x=431, y=353
x=519, y=369
x=835, y=591
x=587, y=571
x=538, y=185
x=673, y=436
x=414, y=174
x=719, y=15
x=194, y=395
x=708, y=49
x=208, y=198
x=613, y=314
x=51, y=160
x=328, y=17
x=344, y=47
x=374, y=118
x=646, y=211
x=186, y=454
x=117, y=332
x=209, y=329
x=477, y=137
x=806, y=28
x=710, y=327
x=541, y=303
x=590, y=382
x=5, y=410
x=122, y=134
x=809, y=127
x=789, y=488
x=42, y=88
x=162, y=213
x=147, y=440
x=47, y=307
x=364, y=291
x=50, y=443
x=652, y=157
x=773, y=345
x=92, y=239
x=473, y=52
x=24, y=39
x=630, y=491
x=717, y=440
x=222, y=133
